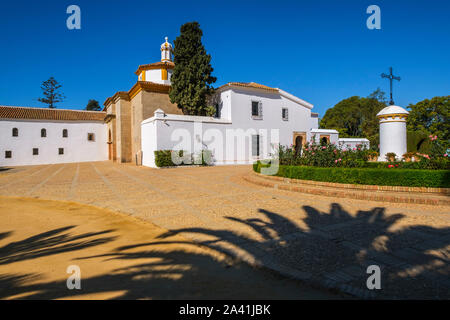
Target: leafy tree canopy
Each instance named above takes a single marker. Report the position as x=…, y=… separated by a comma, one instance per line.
x=356, y=117
x=51, y=93
x=191, y=79
x=93, y=105
x=432, y=117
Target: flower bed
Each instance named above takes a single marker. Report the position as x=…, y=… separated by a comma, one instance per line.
x=368, y=176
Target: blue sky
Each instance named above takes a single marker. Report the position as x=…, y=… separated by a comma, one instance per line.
x=320, y=51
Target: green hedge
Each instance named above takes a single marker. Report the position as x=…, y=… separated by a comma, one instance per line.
x=163, y=158
x=369, y=176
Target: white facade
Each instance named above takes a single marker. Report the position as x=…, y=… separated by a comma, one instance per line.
x=332, y=136
x=231, y=135
x=352, y=143
x=155, y=75
x=392, y=131
x=76, y=147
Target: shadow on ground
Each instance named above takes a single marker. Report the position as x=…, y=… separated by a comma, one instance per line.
x=146, y=270
x=334, y=251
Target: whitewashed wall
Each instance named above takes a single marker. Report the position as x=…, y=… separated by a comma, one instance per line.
x=351, y=143
x=76, y=146
x=392, y=138
x=162, y=132
x=237, y=103
x=316, y=133
x=155, y=75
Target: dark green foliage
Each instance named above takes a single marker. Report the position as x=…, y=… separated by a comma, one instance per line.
x=93, y=105
x=431, y=117
x=50, y=91
x=368, y=176
x=191, y=79
x=163, y=158
x=418, y=141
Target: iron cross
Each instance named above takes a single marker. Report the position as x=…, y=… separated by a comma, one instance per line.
x=391, y=77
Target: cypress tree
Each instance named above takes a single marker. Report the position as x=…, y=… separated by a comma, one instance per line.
x=191, y=79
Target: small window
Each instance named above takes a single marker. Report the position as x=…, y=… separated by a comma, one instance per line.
x=285, y=114
x=256, y=110
x=218, y=107
x=43, y=133
x=91, y=137
x=65, y=133
x=255, y=145
x=35, y=151
x=8, y=154
x=60, y=150
x=15, y=132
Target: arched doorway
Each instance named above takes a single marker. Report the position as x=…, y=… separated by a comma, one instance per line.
x=298, y=144
x=324, y=140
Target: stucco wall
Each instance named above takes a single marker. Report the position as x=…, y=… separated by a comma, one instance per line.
x=392, y=138
x=76, y=146
x=237, y=104
x=229, y=138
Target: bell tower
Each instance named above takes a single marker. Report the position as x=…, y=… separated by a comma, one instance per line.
x=166, y=51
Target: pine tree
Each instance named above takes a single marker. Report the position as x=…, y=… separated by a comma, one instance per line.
x=191, y=79
x=50, y=91
x=93, y=105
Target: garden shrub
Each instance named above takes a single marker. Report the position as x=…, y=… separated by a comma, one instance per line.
x=163, y=158
x=368, y=176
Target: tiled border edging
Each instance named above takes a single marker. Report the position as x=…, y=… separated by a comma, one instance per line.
x=344, y=191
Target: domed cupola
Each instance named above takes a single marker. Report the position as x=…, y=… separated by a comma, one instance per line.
x=166, y=51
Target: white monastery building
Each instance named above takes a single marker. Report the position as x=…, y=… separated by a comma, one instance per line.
x=250, y=121
x=32, y=136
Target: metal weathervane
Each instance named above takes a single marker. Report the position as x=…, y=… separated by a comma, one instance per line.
x=391, y=77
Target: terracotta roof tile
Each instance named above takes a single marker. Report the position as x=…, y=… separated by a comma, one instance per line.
x=12, y=112
x=249, y=85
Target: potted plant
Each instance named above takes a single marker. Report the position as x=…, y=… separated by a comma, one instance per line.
x=372, y=155
x=391, y=156
x=408, y=156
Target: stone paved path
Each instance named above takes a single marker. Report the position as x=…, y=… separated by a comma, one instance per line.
x=321, y=240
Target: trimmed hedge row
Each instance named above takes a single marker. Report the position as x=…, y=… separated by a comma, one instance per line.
x=163, y=158
x=369, y=176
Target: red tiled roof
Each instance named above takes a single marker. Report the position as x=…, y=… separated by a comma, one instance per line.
x=12, y=112
x=249, y=85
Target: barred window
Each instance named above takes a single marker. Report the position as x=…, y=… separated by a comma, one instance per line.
x=256, y=110
x=285, y=114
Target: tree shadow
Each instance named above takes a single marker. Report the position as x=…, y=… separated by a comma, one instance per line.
x=327, y=249
x=145, y=270
x=52, y=242
x=335, y=249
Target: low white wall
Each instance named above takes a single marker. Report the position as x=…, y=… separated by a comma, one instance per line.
x=76, y=146
x=227, y=144
x=316, y=133
x=352, y=143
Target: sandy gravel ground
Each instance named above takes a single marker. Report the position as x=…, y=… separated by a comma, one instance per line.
x=119, y=257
